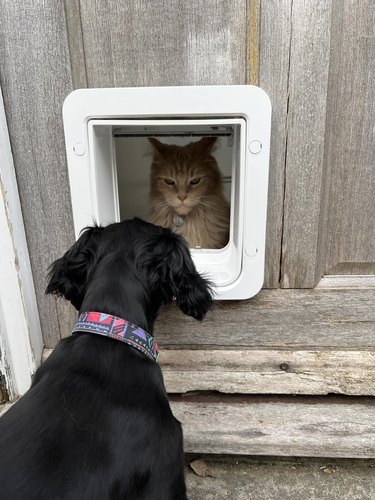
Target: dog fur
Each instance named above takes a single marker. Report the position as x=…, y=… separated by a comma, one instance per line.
x=96, y=423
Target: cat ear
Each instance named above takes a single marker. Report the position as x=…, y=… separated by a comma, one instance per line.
x=206, y=144
x=157, y=146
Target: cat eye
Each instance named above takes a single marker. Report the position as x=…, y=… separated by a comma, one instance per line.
x=196, y=180
x=170, y=182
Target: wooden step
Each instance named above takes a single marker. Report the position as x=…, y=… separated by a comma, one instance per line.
x=311, y=342
x=316, y=319
x=278, y=426
x=329, y=426
x=267, y=371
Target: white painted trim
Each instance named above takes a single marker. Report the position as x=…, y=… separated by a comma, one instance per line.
x=21, y=341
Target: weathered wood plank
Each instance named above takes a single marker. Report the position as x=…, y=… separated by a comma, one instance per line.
x=275, y=33
x=75, y=43
x=350, y=142
x=281, y=319
x=35, y=78
x=347, y=281
x=282, y=341
x=253, y=41
x=305, y=427
x=269, y=371
x=304, y=176
x=137, y=43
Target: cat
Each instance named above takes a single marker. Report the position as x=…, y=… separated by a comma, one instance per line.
x=186, y=193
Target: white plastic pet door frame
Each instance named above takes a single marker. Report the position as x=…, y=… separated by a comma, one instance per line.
x=91, y=119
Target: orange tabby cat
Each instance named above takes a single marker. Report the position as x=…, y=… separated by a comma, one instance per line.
x=187, y=193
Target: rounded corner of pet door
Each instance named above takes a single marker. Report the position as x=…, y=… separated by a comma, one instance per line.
x=194, y=159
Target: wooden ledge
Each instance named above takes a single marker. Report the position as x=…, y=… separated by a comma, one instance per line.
x=305, y=427
x=267, y=371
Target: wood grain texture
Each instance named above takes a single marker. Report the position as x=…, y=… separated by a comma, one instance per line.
x=341, y=281
x=75, y=43
x=253, y=41
x=269, y=371
x=305, y=427
x=350, y=144
x=137, y=43
x=304, y=174
x=275, y=39
x=35, y=79
x=290, y=319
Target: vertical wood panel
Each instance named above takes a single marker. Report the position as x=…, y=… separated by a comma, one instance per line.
x=275, y=40
x=304, y=174
x=35, y=78
x=253, y=41
x=137, y=43
x=350, y=147
x=75, y=42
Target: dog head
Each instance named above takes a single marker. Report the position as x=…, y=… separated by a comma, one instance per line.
x=155, y=261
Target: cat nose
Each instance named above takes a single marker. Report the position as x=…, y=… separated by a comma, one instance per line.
x=182, y=197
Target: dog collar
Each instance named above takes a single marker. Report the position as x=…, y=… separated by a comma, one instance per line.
x=119, y=329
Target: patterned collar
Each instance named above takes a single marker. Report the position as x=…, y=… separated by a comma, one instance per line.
x=119, y=329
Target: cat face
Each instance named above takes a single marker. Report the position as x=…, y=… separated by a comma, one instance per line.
x=183, y=176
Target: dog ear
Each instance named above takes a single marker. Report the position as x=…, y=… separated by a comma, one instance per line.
x=171, y=273
x=69, y=275
x=193, y=293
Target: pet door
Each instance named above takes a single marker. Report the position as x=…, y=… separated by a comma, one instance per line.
x=194, y=159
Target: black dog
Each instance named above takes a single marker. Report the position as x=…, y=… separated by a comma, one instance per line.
x=96, y=423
